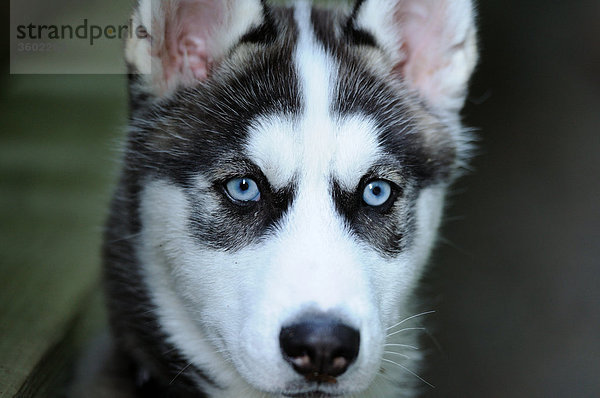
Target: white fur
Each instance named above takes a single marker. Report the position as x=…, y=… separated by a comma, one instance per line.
x=246, y=297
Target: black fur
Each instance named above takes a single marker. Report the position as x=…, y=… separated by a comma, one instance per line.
x=387, y=228
x=354, y=35
x=266, y=32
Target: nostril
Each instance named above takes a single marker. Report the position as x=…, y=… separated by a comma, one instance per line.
x=319, y=346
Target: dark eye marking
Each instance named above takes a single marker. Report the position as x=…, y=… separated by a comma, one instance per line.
x=239, y=208
x=376, y=211
x=374, y=195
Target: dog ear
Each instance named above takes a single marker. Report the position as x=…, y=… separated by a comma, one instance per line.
x=176, y=43
x=431, y=43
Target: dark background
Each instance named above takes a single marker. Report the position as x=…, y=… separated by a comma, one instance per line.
x=518, y=273
x=516, y=277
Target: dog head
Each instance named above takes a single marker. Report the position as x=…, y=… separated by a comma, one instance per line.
x=285, y=172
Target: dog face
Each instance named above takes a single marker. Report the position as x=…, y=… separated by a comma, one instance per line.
x=287, y=169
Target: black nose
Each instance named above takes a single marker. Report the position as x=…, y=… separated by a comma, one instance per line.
x=319, y=347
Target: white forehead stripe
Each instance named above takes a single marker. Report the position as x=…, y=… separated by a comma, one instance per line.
x=314, y=66
x=316, y=74
x=317, y=145
x=343, y=147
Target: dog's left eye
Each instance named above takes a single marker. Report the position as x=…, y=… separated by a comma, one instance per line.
x=377, y=193
x=243, y=190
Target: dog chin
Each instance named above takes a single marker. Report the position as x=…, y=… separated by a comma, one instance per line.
x=312, y=394
x=313, y=390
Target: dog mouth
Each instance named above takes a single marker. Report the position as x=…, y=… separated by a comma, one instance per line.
x=311, y=394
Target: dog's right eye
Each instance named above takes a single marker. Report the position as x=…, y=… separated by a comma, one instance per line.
x=242, y=190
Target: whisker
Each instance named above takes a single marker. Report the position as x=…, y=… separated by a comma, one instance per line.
x=409, y=371
x=409, y=318
x=401, y=345
x=180, y=372
x=404, y=330
x=126, y=237
x=397, y=353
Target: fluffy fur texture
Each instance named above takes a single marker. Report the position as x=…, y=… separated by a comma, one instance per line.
x=313, y=105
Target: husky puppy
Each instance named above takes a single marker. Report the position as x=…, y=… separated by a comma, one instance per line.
x=283, y=182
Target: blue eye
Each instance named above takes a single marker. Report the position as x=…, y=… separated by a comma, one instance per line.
x=243, y=189
x=377, y=193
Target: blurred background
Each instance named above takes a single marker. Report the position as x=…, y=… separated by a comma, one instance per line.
x=515, y=280
x=519, y=276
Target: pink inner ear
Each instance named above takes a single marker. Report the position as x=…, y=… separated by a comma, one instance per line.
x=189, y=38
x=432, y=39
x=194, y=52
x=422, y=37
